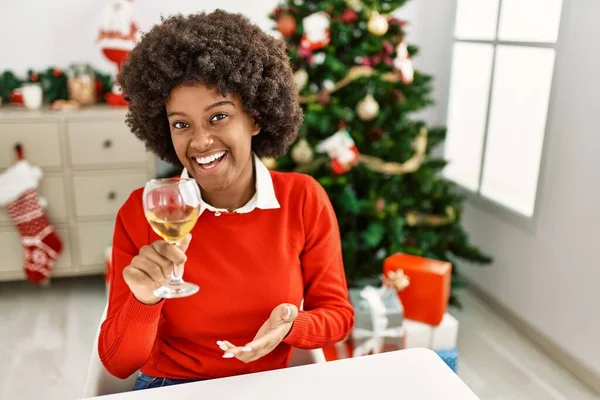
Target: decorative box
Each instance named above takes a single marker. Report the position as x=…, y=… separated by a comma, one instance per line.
x=426, y=298
x=450, y=357
x=440, y=337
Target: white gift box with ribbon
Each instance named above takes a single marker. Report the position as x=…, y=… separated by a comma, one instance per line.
x=378, y=320
x=441, y=337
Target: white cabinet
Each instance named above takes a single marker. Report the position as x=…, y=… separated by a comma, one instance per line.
x=91, y=163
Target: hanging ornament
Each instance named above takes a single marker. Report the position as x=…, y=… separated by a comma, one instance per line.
x=349, y=16
x=316, y=31
x=354, y=4
x=378, y=24
x=397, y=96
x=314, y=87
x=269, y=162
x=367, y=108
x=300, y=78
x=286, y=24
x=341, y=149
x=379, y=205
x=319, y=58
x=403, y=64
x=328, y=85
x=302, y=153
x=376, y=133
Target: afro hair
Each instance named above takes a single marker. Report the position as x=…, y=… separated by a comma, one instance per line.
x=220, y=50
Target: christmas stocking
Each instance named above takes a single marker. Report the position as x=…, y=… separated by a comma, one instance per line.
x=41, y=244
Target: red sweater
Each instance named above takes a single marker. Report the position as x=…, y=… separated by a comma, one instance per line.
x=245, y=265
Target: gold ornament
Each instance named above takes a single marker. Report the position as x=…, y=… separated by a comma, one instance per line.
x=378, y=24
x=367, y=108
x=302, y=153
x=355, y=4
x=300, y=78
x=269, y=162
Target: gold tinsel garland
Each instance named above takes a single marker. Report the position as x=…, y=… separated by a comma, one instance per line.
x=355, y=73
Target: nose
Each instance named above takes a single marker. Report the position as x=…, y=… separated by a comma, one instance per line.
x=201, y=141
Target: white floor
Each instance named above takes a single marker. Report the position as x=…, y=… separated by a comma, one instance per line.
x=46, y=338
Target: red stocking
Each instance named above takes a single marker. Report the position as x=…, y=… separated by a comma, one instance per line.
x=41, y=244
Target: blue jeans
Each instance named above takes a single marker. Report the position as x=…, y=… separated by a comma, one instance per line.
x=144, y=381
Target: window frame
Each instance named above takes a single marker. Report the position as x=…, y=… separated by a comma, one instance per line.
x=475, y=198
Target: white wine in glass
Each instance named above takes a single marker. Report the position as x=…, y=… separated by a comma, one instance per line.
x=172, y=207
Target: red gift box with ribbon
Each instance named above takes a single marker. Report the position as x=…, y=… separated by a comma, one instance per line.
x=426, y=297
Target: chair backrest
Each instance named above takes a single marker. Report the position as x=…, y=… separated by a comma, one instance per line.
x=100, y=382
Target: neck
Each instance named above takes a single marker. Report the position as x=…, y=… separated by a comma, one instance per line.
x=237, y=194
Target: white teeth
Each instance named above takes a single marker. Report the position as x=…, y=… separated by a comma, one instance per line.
x=209, y=159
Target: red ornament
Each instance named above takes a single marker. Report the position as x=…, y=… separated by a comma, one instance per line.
x=349, y=16
x=15, y=96
x=286, y=25
x=34, y=77
x=376, y=133
x=410, y=241
x=397, y=96
x=379, y=205
x=56, y=72
x=388, y=48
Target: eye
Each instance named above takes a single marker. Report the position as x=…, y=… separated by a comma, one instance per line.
x=180, y=125
x=218, y=117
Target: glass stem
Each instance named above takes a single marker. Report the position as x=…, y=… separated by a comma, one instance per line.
x=177, y=273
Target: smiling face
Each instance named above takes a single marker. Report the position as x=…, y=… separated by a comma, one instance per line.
x=212, y=136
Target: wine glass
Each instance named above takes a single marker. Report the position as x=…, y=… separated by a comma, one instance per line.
x=172, y=207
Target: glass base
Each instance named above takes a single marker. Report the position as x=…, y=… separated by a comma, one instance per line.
x=176, y=290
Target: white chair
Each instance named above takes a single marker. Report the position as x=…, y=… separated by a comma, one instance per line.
x=100, y=382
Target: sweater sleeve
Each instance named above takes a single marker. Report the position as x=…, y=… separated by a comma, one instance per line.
x=129, y=331
x=327, y=315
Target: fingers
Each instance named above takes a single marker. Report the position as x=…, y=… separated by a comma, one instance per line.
x=185, y=242
x=172, y=253
x=288, y=312
x=149, y=253
x=147, y=267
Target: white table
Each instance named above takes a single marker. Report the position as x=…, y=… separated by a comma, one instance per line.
x=417, y=374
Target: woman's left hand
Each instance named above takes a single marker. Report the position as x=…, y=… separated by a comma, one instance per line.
x=270, y=334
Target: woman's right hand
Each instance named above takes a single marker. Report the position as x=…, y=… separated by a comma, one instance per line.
x=152, y=267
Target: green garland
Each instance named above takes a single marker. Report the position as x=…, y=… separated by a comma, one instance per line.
x=53, y=81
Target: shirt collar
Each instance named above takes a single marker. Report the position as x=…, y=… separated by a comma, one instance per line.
x=264, y=198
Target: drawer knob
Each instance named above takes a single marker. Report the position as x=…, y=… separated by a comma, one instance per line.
x=107, y=144
x=112, y=195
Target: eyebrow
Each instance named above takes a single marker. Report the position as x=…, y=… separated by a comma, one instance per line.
x=217, y=104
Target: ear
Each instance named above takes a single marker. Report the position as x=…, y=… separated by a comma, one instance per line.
x=255, y=129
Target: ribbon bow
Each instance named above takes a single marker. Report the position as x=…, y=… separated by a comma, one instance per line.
x=374, y=343
x=397, y=280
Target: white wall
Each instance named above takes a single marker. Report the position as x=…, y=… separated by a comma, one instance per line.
x=550, y=276
x=42, y=33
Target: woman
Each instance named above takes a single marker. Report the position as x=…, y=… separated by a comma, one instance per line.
x=213, y=94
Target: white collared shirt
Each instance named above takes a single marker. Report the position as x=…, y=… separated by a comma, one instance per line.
x=264, y=198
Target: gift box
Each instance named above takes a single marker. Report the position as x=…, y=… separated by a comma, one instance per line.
x=440, y=337
x=426, y=298
x=450, y=357
x=378, y=321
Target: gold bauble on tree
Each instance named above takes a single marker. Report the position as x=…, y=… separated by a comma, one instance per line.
x=300, y=78
x=302, y=153
x=269, y=162
x=367, y=108
x=378, y=24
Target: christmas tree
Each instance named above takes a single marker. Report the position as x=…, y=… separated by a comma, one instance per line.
x=359, y=90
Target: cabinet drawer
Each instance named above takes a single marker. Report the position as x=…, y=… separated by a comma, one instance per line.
x=40, y=143
x=104, y=142
x=103, y=195
x=12, y=251
x=52, y=188
x=94, y=238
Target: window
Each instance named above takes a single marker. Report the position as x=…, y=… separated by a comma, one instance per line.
x=502, y=68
